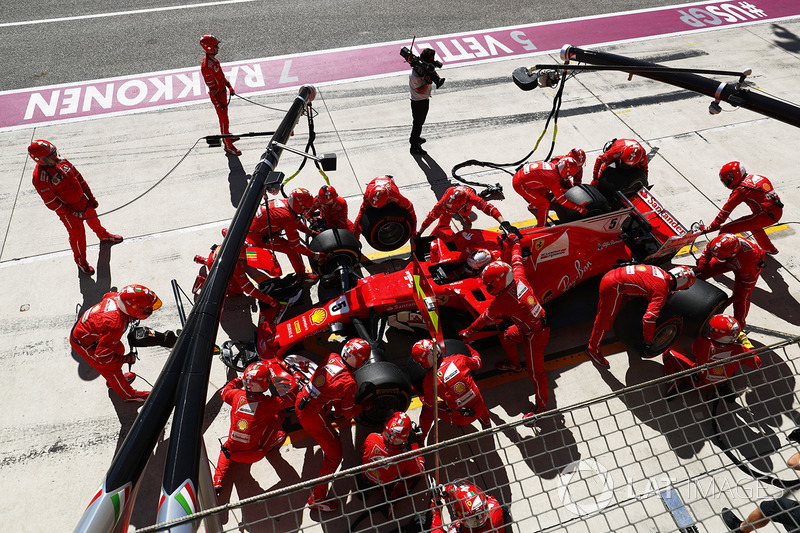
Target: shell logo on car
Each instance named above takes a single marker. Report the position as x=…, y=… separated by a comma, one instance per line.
x=318, y=316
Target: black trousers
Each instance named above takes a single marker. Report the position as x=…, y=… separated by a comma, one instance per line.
x=419, y=112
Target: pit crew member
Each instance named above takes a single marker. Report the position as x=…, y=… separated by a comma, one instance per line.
x=64, y=190
x=731, y=253
x=626, y=152
x=514, y=299
x=284, y=215
x=256, y=419
x=459, y=200
x=331, y=208
x=381, y=191
x=758, y=194
x=580, y=158
x=462, y=402
x=472, y=511
x=724, y=339
x=97, y=336
x=218, y=87
x=398, y=437
x=540, y=184
x=618, y=286
x=331, y=391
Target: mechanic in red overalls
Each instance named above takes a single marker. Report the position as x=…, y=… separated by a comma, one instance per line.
x=618, y=286
x=459, y=200
x=331, y=390
x=381, y=191
x=724, y=339
x=256, y=419
x=514, y=299
x=580, y=158
x=624, y=151
x=471, y=509
x=397, y=437
x=332, y=208
x=758, y=194
x=285, y=215
x=97, y=336
x=462, y=402
x=64, y=190
x=218, y=87
x=731, y=253
x=540, y=184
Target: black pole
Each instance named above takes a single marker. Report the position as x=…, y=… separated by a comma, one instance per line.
x=184, y=379
x=183, y=455
x=728, y=92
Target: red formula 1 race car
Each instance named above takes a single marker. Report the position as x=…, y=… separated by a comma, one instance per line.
x=617, y=230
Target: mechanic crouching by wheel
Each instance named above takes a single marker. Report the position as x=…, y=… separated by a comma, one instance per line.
x=284, y=215
x=731, y=253
x=380, y=192
x=618, y=286
x=622, y=151
x=256, y=419
x=398, y=436
x=514, y=299
x=470, y=508
x=331, y=209
x=97, y=337
x=540, y=184
x=462, y=402
x=331, y=391
x=459, y=201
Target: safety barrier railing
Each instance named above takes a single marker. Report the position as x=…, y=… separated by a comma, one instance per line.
x=629, y=460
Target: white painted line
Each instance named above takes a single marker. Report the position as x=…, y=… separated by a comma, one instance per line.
x=121, y=13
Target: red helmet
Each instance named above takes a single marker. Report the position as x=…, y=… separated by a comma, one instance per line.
x=456, y=198
x=468, y=504
x=300, y=200
x=567, y=166
x=397, y=429
x=40, y=149
x=256, y=377
x=356, y=352
x=137, y=301
x=731, y=174
x=723, y=329
x=684, y=277
x=208, y=42
x=422, y=353
x=725, y=246
x=327, y=195
x=632, y=154
x=497, y=276
x=578, y=155
x=380, y=195
x=478, y=259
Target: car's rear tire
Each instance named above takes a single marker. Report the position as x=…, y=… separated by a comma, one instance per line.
x=387, y=228
x=625, y=179
x=385, y=387
x=341, y=248
x=582, y=194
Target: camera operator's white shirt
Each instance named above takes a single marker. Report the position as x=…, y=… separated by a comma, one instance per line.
x=419, y=89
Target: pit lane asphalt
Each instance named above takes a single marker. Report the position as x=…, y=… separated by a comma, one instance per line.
x=60, y=430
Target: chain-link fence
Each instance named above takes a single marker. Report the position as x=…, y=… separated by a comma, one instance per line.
x=627, y=461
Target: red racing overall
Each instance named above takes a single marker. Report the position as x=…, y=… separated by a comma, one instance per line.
x=395, y=197
x=376, y=448
x=335, y=216
x=445, y=215
x=540, y=184
x=332, y=388
x=495, y=523
x=281, y=218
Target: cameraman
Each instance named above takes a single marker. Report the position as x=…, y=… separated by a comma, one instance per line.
x=420, y=82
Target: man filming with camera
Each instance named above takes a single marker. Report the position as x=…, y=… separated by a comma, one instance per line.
x=421, y=80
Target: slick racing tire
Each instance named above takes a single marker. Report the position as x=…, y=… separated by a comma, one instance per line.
x=582, y=194
x=416, y=374
x=341, y=248
x=384, y=387
x=686, y=311
x=627, y=180
x=387, y=228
